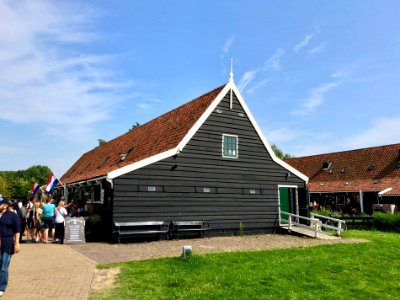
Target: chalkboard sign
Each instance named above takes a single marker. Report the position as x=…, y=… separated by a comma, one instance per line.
x=74, y=230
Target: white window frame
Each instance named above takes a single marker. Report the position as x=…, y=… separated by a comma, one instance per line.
x=237, y=146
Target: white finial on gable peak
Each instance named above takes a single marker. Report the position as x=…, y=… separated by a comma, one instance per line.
x=231, y=81
x=231, y=73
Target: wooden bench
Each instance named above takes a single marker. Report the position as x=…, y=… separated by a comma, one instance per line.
x=187, y=227
x=140, y=229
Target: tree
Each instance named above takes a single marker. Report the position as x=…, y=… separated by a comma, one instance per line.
x=19, y=188
x=279, y=153
x=134, y=126
x=101, y=142
x=38, y=173
x=17, y=184
x=4, y=187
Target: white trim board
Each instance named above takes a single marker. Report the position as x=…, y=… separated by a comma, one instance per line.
x=141, y=163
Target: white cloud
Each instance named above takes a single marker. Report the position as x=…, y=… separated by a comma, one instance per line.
x=312, y=149
x=285, y=134
x=225, y=51
x=274, y=62
x=41, y=83
x=282, y=134
x=383, y=131
x=247, y=78
x=317, y=49
x=342, y=73
x=258, y=85
x=144, y=106
x=227, y=46
x=316, y=98
x=303, y=43
x=9, y=149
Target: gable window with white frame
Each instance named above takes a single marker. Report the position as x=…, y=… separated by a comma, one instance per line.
x=230, y=146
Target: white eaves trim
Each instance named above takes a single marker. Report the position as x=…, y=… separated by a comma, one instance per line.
x=82, y=182
x=229, y=86
x=141, y=164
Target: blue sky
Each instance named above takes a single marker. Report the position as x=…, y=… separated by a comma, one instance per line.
x=319, y=76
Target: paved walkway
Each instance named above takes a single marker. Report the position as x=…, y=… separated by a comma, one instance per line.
x=49, y=271
x=111, y=253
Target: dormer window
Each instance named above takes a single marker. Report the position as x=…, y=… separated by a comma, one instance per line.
x=123, y=155
x=230, y=146
x=326, y=166
x=370, y=168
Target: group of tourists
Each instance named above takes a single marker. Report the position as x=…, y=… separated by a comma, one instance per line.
x=36, y=220
x=41, y=218
x=38, y=217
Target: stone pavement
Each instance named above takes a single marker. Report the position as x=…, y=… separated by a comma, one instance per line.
x=49, y=271
x=112, y=253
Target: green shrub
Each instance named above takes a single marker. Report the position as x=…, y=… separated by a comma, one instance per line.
x=326, y=212
x=387, y=222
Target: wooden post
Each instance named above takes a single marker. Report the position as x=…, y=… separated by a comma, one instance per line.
x=339, y=228
x=315, y=227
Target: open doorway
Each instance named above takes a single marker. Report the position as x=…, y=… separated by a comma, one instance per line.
x=288, y=201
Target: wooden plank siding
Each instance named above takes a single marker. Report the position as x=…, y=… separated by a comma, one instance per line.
x=238, y=190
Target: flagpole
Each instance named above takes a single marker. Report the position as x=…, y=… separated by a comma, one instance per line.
x=63, y=185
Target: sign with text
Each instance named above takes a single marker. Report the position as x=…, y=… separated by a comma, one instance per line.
x=74, y=230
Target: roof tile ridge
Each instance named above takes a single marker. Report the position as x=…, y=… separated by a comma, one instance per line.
x=189, y=102
x=345, y=151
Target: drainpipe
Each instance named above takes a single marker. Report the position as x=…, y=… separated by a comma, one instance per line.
x=361, y=201
x=110, y=181
x=65, y=192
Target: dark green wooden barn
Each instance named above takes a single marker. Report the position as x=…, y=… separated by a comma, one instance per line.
x=206, y=160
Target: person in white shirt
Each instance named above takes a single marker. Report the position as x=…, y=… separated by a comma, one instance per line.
x=60, y=214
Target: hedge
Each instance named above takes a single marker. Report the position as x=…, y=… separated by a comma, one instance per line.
x=387, y=222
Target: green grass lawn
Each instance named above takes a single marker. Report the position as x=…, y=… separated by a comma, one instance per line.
x=345, y=271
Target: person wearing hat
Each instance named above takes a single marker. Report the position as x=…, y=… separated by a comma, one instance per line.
x=9, y=236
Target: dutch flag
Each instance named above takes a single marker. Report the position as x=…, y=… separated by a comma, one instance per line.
x=51, y=183
x=35, y=188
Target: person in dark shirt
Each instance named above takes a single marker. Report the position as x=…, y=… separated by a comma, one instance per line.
x=21, y=212
x=9, y=236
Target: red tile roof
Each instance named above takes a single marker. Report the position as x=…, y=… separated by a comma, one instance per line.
x=159, y=135
x=349, y=170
